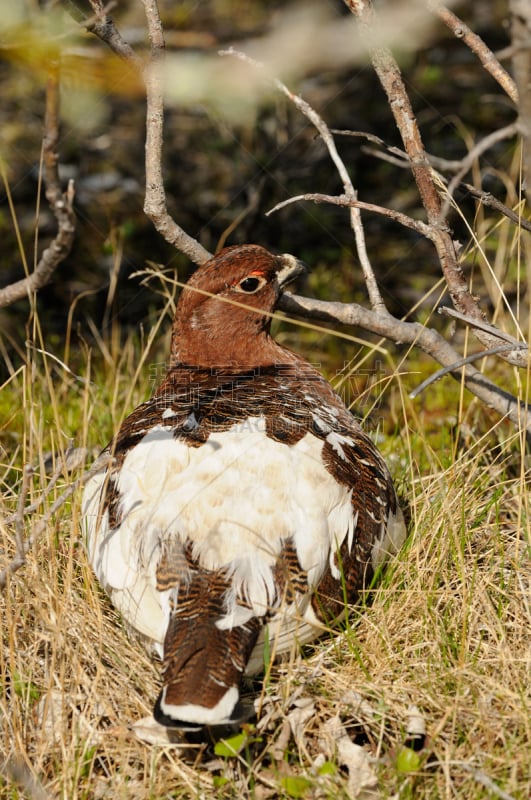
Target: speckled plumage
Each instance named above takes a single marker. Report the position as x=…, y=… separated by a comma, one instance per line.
x=243, y=495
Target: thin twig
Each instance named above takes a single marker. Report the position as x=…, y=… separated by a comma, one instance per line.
x=478, y=46
x=104, y=27
x=27, y=474
x=155, y=201
x=155, y=206
x=61, y=204
x=32, y=507
x=521, y=64
x=346, y=200
x=373, y=290
x=397, y=157
x=468, y=161
x=38, y=529
x=487, y=199
x=394, y=155
x=457, y=365
x=476, y=323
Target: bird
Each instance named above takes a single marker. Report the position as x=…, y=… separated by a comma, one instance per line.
x=243, y=508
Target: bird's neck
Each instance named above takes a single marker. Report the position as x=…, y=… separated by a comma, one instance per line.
x=237, y=344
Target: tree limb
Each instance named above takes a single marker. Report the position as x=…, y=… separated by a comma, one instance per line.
x=487, y=199
x=478, y=46
x=521, y=36
x=461, y=363
x=102, y=26
x=60, y=204
x=390, y=78
x=467, y=162
x=346, y=200
x=415, y=334
x=155, y=200
x=155, y=206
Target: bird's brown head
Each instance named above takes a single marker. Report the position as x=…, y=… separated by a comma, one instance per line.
x=223, y=314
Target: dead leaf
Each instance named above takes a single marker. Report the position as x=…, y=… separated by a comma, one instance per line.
x=149, y=731
x=362, y=781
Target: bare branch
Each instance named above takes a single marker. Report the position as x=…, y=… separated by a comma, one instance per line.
x=391, y=79
x=478, y=46
x=467, y=162
x=25, y=544
x=396, y=156
x=415, y=334
x=155, y=206
x=155, y=200
x=461, y=363
x=346, y=200
x=487, y=199
x=61, y=204
x=476, y=323
x=102, y=26
x=373, y=290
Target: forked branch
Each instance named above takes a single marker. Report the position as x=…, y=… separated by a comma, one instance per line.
x=390, y=77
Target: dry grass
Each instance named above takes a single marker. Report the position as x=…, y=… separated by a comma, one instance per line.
x=446, y=630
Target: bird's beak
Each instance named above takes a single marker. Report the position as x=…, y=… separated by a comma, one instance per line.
x=290, y=269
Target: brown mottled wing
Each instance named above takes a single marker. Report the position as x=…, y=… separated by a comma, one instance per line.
x=373, y=499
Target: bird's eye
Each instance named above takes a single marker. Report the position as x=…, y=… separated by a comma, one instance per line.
x=251, y=284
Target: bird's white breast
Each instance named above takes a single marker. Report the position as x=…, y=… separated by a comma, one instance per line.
x=236, y=497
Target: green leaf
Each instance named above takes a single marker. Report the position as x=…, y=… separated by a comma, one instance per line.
x=25, y=688
x=219, y=780
x=226, y=748
x=296, y=785
x=327, y=768
x=407, y=760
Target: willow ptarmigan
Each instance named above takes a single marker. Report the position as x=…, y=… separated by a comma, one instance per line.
x=243, y=496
